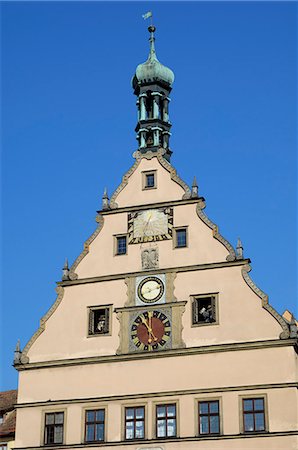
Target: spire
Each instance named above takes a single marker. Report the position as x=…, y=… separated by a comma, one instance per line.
x=239, y=249
x=152, y=84
x=17, y=353
x=65, y=271
x=194, y=188
x=105, y=200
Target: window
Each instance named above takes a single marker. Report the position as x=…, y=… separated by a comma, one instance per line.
x=166, y=421
x=95, y=425
x=1, y=418
x=209, y=417
x=253, y=415
x=135, y=422
x=99, y=320
x=180, y=237
x=149, y=179
x=3, y=446
x=121, y=245
x=54, y=428
x=204, y=309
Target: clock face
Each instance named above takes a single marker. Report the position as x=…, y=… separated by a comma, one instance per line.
x=150, y=290
x=150, y=330
x=150, y=225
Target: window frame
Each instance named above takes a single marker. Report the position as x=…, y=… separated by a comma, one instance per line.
x=198, y=415
x=95, y=409
x=91, y=310
x=145, y=173
x=215, y=308
x=155, y=422
x=45, y=413
x=255, y=396
x=134, y=406
x=116, y=236
x=175, y=237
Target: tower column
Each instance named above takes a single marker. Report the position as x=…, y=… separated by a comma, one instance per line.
x=142, y=133
x=156, y=134
x=156, y=104
x=142, y=106
x=166, y=137
x=166, y=101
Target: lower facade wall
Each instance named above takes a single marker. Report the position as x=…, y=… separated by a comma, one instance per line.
x=280, y=413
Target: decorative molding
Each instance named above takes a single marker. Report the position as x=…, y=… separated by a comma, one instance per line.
x=200, y=206
x=155, y=441
x=120, y=276
x=285, y=334
x=178, y=393
x=159, y=154
x=100, y=220
x=216, y=348
x=146, y=206
x=42, y=325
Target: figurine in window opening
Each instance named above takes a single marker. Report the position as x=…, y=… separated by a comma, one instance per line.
x=206, y=313
x=101, y=324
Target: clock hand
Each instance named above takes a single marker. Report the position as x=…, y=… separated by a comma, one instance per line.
x=148, y=328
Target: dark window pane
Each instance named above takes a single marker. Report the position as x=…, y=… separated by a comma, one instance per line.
x=139, y=413
x=248, y=405
x=204, y=428
x=139, y=429
x=121, y=245
x=59, y=418
x=259, y=404
x=58, y=436
x=171, y=427
x=90, y=416
x=129, y=413
x=100, y=415
x=203, y=408
x=161, y=411
x=213, y=407
x=129, y=430
x=150, y=180
x=171, y=410
x=248, y=422
x=181, y=238
x=90, y=432
x=99, y=432
x=260, y=424
x=214, y=424
x=50, y=419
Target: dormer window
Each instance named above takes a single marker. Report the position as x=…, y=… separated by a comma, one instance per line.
x=149, y=179
x=204, y=309
x=99, y=320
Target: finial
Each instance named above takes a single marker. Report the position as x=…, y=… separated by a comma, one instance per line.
x=239, y=249
x=65, y=271
x=194, y=188
x=151, y=29
x=105, y=200
x=17, y=353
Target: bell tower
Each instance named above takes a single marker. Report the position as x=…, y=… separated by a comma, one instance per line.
x=152, y=84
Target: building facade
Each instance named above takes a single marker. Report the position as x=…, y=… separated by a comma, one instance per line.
x=158, y=338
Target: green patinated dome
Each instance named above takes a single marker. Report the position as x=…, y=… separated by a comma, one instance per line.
x=152, y=69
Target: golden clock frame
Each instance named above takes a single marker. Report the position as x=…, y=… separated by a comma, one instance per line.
x=124, y=315
x=168, y=285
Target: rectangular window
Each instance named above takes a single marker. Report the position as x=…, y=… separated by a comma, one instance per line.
x=121, y=245
x=95, y=425
x=209, y=417
x=54, y=423
x=204, y=309
x=180, y=237
x=99, y=320
x=253, y=415
x=3, y=446
x=135, y=422
x=149, y=179
x=166, y=421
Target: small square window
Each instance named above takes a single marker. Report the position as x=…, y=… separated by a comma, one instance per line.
x=204, y=309
x=99, y=320
x=54, y=423
x=95, y=425
x=180, y=237
x=149, y=179
x=166, y=421
x=209, y=417
x=253, y=415
x=121, y=245
x=135, y=423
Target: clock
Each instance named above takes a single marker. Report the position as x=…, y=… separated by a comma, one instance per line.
x=150, y=225
x=150, y=330
x=150, y=289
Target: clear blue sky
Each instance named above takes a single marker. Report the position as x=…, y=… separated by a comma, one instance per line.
x=68, y=121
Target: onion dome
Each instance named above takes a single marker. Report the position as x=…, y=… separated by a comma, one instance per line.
x=152, y=70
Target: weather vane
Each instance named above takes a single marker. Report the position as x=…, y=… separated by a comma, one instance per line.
x=147, y=15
